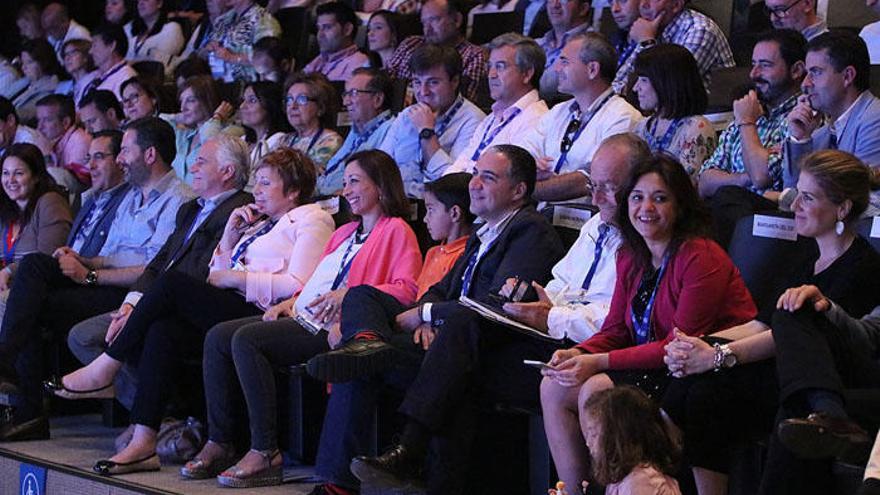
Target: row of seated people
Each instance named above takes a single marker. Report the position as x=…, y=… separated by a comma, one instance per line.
x=746, y=169
x=170, y=308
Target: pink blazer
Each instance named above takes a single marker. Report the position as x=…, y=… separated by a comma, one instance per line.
x=390, y=260
x=279, y=262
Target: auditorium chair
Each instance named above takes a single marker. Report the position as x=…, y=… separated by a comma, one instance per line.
x=487, y=26
x=567, y=219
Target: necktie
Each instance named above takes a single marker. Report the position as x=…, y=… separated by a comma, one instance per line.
x=603, y=233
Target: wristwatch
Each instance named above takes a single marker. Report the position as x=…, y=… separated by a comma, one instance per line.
x=426, y=133
x=724, y=357
x=91, y=278
x=647, y=43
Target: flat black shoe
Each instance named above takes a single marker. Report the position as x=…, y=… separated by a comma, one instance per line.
x=819, y=436
x=355, y=359
x=107, y=467
x=31, y=429
x=56, y=386
x=398, y=468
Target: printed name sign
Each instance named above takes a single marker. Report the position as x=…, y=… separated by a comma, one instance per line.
x=572, y=218
x=774, y=227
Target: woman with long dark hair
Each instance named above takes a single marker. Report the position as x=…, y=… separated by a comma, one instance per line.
x=263, y=118
x=151, y=36
x=671, y=276
x=34, y=215
x=670, y=89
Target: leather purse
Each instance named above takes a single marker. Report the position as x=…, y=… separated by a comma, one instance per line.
x=179, y=441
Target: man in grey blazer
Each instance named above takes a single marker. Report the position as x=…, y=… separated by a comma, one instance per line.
x=837, y=87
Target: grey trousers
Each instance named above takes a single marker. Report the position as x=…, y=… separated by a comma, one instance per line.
x=86, y=341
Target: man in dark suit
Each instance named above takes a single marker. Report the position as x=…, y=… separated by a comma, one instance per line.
x=219, y=175
x=515, y=241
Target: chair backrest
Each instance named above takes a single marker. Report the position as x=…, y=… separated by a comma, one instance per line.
x=295, y=31
x=721, y=11
x=727, y=84
x=865, y=227
x=763, y=259
x=488, y=26
x=567, y=219
x=849, y=14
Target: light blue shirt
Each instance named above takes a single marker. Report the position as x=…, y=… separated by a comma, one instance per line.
x=141, y=227
x=331, y=180
x=403, y=144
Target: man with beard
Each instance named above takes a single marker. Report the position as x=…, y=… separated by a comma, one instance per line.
x=746, y=168
x=337, y=25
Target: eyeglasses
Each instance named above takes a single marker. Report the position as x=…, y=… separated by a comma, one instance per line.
x=131, y=100
x=351, y=93
x=299, y=100
x=567, y=140
x=781, y=12
x=604, y=187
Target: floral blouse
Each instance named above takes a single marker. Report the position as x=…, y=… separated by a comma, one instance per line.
x=238, y=34
x=692, y=143
x=320, y=151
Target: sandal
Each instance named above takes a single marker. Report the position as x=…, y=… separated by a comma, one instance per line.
x=271, y=475
x=199, y=469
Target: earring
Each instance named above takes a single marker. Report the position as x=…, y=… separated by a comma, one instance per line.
x=838, y=228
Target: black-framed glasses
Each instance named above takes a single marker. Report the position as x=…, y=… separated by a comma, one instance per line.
x=300, y=100
x=567, y=140
x=781, y=12
x=351, y=93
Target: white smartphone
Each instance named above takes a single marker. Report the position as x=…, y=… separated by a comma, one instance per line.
x=537, y=364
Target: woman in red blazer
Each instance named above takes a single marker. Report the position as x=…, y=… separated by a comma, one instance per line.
x=670, y=275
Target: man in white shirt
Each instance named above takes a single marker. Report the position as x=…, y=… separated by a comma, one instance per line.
x=567, y=136
x=109, y=47
x=800, y=16
x=567, y=19
x=12, y=132
x=576, y=301
x=871, y=34
x=440, y=120
x=515, y=67
x=59, y=27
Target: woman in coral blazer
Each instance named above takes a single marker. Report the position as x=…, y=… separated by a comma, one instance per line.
x=378, y=249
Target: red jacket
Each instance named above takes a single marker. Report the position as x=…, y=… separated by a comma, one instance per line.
x=390, y=260
x=701, y=292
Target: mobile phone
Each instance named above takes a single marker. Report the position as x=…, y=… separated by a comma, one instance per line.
x=537, y=364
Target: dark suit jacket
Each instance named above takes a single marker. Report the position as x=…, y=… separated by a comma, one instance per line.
x=527, y=248
x=193, y=257
x=95, y=241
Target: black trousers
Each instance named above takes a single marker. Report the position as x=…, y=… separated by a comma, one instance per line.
x=239, y=366
x=814, y=354
x=167, y=326
x=729, y=204
x=717, y=410
x=43, y=297
x=470, y=363
x=811, y=354
x=366, y=308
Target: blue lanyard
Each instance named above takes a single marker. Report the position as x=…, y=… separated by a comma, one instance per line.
x=666, y=140
x=239, y=252
x=575, y=109
x=603, y=233
x=553, y=54
x=358, y=142
x=345, y=263
x=488, y=140
x=642, y=326
x=443, y=123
